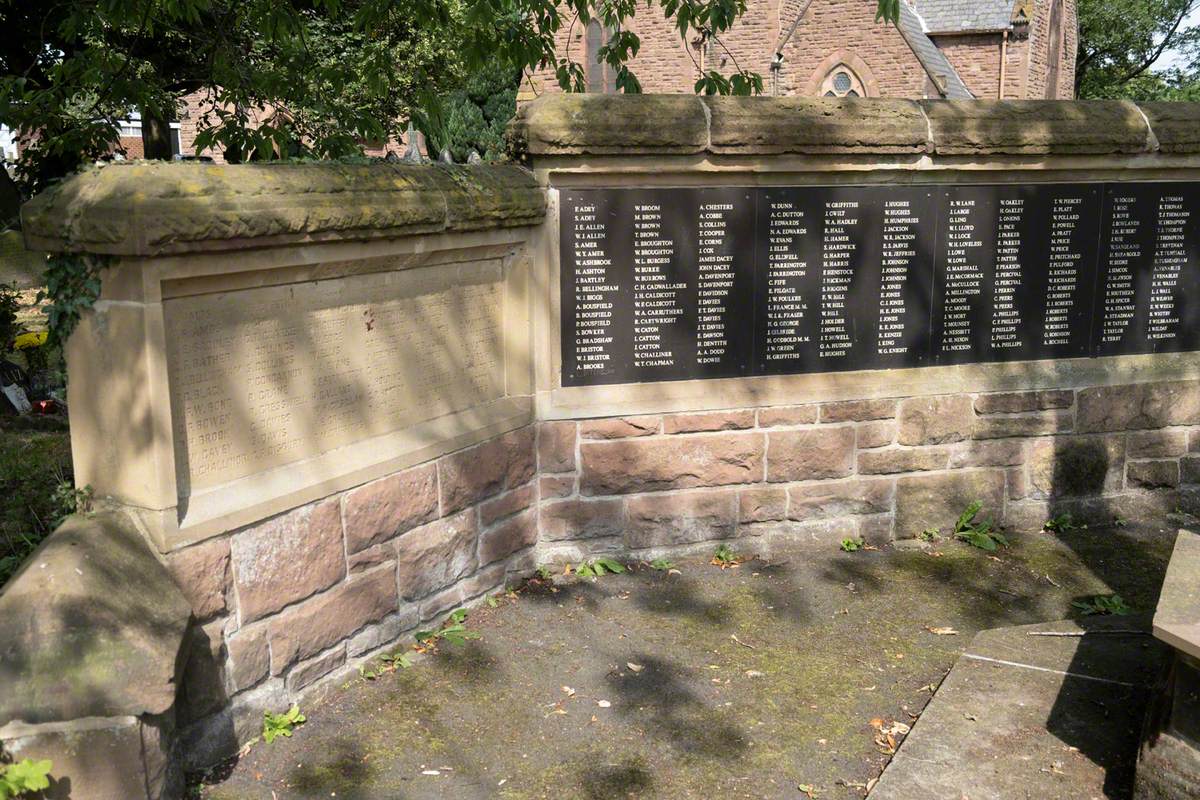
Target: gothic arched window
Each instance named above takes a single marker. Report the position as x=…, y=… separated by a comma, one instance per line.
x=841, y=81
x=600, y=77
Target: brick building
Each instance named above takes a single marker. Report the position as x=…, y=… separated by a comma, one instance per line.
x=955, y=49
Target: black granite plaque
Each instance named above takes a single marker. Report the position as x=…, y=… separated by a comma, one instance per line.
x=1148, y=288
x=674, y=284
x=842, y=278
x=1015, y=272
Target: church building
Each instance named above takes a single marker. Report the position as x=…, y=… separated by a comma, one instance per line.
x=955, y=49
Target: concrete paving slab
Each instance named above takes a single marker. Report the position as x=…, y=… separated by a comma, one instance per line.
x=1032, y=716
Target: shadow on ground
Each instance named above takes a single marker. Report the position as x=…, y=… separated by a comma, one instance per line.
x=736, y=683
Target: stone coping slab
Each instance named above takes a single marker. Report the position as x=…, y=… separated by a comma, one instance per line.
x=1177, y=617
x=583, y=124
x=91, y=626
x=146, y=208
x=1021, y=715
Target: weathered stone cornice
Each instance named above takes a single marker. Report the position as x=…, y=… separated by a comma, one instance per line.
x=586, y=125
x=149, y=208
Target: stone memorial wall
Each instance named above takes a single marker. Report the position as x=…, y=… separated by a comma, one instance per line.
x=341, y=401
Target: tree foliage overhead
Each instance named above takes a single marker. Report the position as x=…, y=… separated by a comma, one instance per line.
x=1120, y=44
x=286, y=76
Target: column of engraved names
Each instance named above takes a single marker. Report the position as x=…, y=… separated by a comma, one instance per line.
x=899, y=254
x=786, y=305
x=1124, y=251
x=594, y=287
x=1062, y=271
x=1170, y=257
x=964, y=274
x=1005, y=331
x=656, y=301
x=714, y=285
x=838, y=248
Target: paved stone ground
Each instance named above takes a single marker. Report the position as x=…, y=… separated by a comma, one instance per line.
x=1024, y=715
x=840, y=640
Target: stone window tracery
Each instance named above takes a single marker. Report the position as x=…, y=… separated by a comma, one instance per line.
x=841, y=81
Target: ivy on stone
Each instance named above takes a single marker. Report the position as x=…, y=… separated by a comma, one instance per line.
x=72, y=287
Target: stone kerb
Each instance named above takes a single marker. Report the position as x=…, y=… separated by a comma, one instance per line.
x=1169, y=758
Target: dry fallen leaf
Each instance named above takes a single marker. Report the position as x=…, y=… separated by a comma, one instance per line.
x=808, y=790
x=634, y=667
x=603, y=703
x=569, y=691
x=947, y=631
x=753, y=673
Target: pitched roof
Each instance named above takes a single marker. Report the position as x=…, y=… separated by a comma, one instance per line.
x=914, y=30
x=951, y=16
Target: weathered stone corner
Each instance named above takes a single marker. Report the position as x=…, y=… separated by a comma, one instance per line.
x=146, y=208
x=91, y=634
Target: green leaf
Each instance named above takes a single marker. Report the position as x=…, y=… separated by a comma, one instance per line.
x=24, y=776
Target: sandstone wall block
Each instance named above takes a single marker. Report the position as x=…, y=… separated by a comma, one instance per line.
x=935, y=420
x=383, y=633
x=1038, y=423
x=676, y=462
x=876, y=433
x=202, y=688
x=1189, y=469
x=312, y=670
x=762, y=504
x=385, y=508
x=778, y=416
x=556, y=446
x=483, y=582
x=1142, y=405
x=840, y=498
x=474, y=474
x=619, y=427
x=496, y=509
x=1157, y=444
x=857, y=410
x=553, y=486
x=708, y=421
x=202, y=573
x=1152, y=474
x=936, y=500
x=1017, y=402
x=513, y=534
x=1077, y=465
x=988, y=453
x=810, y=454
x=268, y=570
x=321, y=622
x=371, y=557
x=435, y=555
x=1018, y=483
x=671, y=519
x=876, y=529
x=891, y=460
x=582, y=519
x=249, y=656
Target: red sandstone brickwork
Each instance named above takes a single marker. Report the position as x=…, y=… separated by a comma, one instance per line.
x=285, y=602
x=310, y=593
x=832, y=32
x=976, y=58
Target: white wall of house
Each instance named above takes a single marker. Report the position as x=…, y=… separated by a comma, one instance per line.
x=8, y=144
